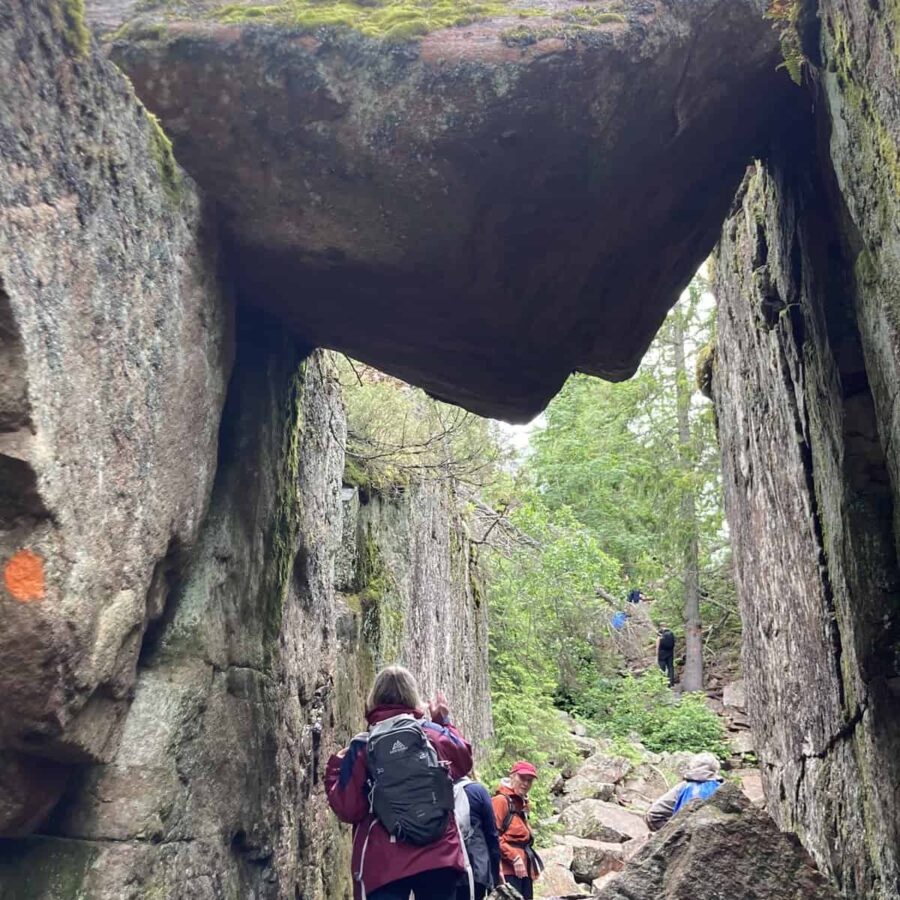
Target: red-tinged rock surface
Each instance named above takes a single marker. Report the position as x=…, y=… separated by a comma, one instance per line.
x=482, y=210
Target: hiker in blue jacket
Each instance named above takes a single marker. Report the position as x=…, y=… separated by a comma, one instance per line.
x=475, y=817
x=701, y=780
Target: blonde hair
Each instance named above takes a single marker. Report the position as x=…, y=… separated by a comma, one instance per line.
x=394, y=686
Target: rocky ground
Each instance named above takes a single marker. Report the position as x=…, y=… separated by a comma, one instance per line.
x=601, y=804
x=724, y=848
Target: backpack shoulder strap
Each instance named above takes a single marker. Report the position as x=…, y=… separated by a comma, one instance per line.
x=510, y=812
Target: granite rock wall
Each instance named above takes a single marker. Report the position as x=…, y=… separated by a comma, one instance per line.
x=115, y=350
x=801, y=379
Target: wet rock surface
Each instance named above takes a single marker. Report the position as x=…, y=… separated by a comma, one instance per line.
x=114, y=355
x=466, y=211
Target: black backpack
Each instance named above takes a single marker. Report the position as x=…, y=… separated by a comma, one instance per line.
x=410, y=791
x=667, y=641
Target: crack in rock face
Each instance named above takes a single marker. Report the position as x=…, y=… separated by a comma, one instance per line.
x=476, y=214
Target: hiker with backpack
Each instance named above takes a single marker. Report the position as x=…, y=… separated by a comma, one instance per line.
x=520, y=865
x=394, y=784
x=701, y=780
x=665, y=653
x=475, y=818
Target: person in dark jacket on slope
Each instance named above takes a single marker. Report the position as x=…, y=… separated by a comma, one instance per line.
x=665, y=653
x=386, y=868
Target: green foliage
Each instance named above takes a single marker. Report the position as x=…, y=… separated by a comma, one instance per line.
x=397, y=433
x=645, y=707
x=543, y=604
x=601, y=501
x=543, y=616
x=611, y=454
x=785, y=16
x=526, y=726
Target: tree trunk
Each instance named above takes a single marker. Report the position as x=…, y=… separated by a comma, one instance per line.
x=692, y=676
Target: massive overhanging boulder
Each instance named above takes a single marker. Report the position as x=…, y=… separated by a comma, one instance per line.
x=480, y=210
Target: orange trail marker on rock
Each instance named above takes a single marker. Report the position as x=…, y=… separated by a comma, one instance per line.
x=24, y=576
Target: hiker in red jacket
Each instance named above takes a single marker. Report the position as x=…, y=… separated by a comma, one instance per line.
x=520, y=865
x=387, y=867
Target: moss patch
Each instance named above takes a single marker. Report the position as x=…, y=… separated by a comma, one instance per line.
x=356, y=474
x=68, y=19
x=382, y=615
x=161, y=151
x=587, y=15
x=398, y=20
x=706, y=367
x=884, y=168
x=286, y=527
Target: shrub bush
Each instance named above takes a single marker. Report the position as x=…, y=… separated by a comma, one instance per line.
x=646, y=709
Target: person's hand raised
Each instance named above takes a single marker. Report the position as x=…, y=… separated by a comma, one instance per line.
x=438, y=708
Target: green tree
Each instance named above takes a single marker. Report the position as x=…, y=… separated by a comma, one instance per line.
x=637, y=464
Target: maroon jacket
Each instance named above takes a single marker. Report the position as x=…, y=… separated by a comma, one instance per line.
x=345, y=784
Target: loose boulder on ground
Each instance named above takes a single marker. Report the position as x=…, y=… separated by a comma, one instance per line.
x=722, y=849
x=600, y=821
x=591, y=859
x=582, y=788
